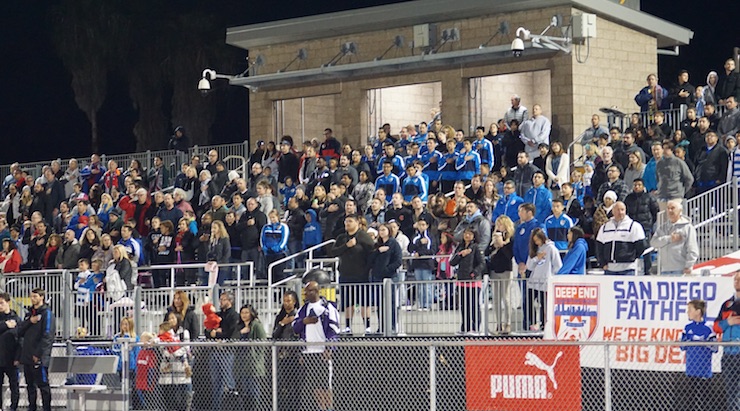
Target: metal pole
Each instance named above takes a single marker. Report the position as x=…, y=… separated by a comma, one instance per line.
x=484, y=303
x=137, y=310
x=66, y=304
x=390, y=309
x=735, y=220
x=274, y=378
x=607, y=380
x=125, y=377
x=172, y=277
x=238, y=275
x=433, y=379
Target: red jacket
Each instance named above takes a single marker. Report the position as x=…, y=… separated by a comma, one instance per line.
x=146, y=370
x=12, y=262
x=129, y=208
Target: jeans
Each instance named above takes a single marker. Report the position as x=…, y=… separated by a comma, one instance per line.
x=469, y=308
x=220, y=363
x=12, y=373
x=624, y=272
x=425, y=290
x=541, y=297
x=501, y=293
x=255, y=255
x=294, y=247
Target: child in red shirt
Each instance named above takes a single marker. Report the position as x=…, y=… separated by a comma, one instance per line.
x=146, y=372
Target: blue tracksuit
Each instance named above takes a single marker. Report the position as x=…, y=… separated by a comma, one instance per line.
x=574, y=261
x=542, y=199
x=557, y=230
x=432, y=170
x=699, y=358
x=467, y=168
x=521, y=239
x=390, y=183
x=414, y=186
x=448, y=172
x=420, y=139
x=399, y=166
x=485, y=150
x=274, y=238
x=508, y=206
x=411, y=159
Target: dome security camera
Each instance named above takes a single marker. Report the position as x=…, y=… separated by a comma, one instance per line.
x=204, y=86
x=517, y=47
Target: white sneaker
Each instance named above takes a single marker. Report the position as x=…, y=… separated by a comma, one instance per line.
x=347, y=330
x=368, y=330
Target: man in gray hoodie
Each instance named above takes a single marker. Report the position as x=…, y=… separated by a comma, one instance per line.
x=674, y=177
x=676, y=242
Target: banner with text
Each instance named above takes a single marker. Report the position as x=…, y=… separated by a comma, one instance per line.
x=627, y=308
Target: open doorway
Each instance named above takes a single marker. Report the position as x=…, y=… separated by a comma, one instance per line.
x=401, y=106
x=304, y=118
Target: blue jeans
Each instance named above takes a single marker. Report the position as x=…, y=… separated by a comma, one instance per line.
x=296, y=246
x=220, y=363
x=255, y=255
x=623, y=272
x=425, y=290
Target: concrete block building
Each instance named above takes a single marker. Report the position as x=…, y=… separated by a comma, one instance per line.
x=355, y=70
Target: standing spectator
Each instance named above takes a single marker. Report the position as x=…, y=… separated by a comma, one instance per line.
x=643, y=208
x=619, y=243
x=221, y=361
x=296, y=221
x=287, y=359
x=650, y=171
x=727, y=326
x=179, y=141
x=509, y=203
x=574, y=261
x=330, y=148
x=601, y=170
x=425, y=245
x=9, y=346
x=711, y=164
x=317, y=321
x=353, y=248
x=287, y=162
x=527, y=223
x=219, y=250
x=557, y=167
x=676, y=242
x=710, y=90
x=698, y=380
x=540, y=196
x=729, y=83
x=543, y=262
x=475, y=221
x=674, y=176
x=613, y=183
x=70, y=178
x=511, y=143
x=558, y=225
x=592, y=134
x=535, y=131
x=169, y=212
x=158, y=176
x=69, y=252
x=384, y=261
x=682, y=93
x=729, y=124
x=635, y=168
x=470, y=266
x=523, y=173
x=251, y=249
x=652, y=97
x=37, y=333
x=181, y=306
x=92, y=173
x=250, y=367
x=274, y=243
x=517, y=111
x=500, y=267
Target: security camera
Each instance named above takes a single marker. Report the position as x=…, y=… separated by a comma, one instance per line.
x=517, y=47
x=204, y=86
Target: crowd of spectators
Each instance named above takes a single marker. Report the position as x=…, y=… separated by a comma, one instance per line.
x=501, y=184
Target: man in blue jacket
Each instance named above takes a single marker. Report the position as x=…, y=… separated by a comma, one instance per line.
x=523, y=231
x=468, y=163
x=540, y=196
x=509, y=203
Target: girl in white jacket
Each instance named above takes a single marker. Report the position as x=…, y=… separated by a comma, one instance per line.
x=543, y=262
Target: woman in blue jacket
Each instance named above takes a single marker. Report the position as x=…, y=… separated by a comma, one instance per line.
x=574, y=261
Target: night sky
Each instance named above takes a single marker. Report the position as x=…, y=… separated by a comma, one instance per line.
x=40, y=119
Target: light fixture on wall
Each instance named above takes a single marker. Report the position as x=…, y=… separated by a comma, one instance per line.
x=503, y=28
x=302, y=55
x=541, y=40
x=398, y=43
x=346, y=49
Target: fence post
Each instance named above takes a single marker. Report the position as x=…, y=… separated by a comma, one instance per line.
x=148, y=158
x=607, y=380
x=172, y=277
x=735, y=221
x=245, y=154
x=67, y=298
x=390, y=310
x=125, y=376
x=137, y=310
x=274, y=377
x=433, y=378
x=484, y=303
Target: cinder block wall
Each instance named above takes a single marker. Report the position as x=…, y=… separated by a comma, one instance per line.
x=619, y=60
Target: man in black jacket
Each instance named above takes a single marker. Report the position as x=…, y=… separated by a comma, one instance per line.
x=711, y=164
x=643, y=208
x=251, y=250
x=353, y=248
x=9, y=350
x=37, y=332
x=221, y=361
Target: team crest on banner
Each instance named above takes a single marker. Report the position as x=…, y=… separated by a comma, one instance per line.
x=576, y=311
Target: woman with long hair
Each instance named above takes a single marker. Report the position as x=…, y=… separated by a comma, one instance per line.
x=384, y=261
x=574, y=261
x=219, y=252
x=52, y=249
x=490, y=198
x=635, y=168
x=106, y=206
x=185, y=244
x=89, y=243
x=500, y=267
x=250, y=366
x=181, y=305
x=10, y=258
x=470, y=266
x=104, y=253
x=557, y=167
x=122, y=264
x=543, y=262
x=319, y=199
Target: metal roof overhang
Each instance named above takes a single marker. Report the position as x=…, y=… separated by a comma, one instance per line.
x=446, y=60
x=429, y=11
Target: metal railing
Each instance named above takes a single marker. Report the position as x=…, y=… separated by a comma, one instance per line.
x=457, y=374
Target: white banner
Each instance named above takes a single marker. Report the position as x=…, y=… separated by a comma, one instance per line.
x=628, y=308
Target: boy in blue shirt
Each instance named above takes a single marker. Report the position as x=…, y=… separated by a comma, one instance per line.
x=288, y=191
x=698, y=358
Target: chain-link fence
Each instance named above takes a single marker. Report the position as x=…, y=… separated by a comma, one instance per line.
x=410, y=374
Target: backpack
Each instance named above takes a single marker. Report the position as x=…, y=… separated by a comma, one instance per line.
x=114, y=285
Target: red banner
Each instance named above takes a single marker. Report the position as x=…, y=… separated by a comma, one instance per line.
x=520, y=378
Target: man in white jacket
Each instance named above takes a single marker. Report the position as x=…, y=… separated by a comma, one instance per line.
x=676, y=242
